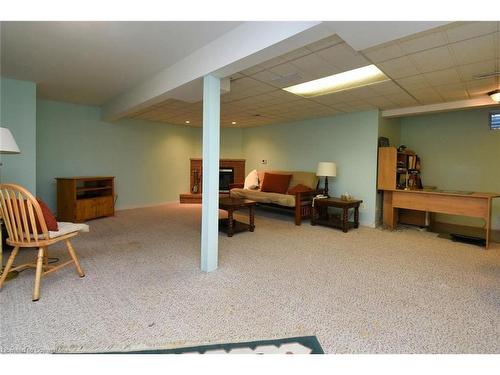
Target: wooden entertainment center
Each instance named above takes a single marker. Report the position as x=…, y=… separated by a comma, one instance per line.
x=196, y=177
x=83, y=198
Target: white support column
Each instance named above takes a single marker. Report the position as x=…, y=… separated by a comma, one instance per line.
x=210, y=195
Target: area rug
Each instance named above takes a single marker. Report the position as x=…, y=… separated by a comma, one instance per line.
x=290, y=345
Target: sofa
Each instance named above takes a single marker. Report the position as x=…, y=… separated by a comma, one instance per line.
x=298, y=202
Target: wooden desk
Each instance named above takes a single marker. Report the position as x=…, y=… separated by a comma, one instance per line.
x=454, y=203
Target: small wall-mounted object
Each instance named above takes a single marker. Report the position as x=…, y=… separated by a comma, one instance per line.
x=263, y=161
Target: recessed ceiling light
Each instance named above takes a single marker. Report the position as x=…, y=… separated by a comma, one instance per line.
x=495, y=95
x=233, y=122
x=187, y=122
x=351, y=79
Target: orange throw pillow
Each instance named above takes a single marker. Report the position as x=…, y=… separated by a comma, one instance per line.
x=49, y=217
x=50, y=220
x=275, y=183
x=299, y=189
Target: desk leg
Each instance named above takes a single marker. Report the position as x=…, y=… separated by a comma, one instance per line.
x=488, y=225
x=390, y=213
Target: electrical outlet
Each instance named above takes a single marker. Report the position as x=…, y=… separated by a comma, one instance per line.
x=362, y=206
x=263, y=161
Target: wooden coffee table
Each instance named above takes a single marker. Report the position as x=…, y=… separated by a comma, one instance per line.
x=321, y=216
x=231, y=226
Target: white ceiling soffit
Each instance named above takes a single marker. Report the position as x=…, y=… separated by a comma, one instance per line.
x=365, y=34
x=440, y=107
x=91, y=62
x=239, y=43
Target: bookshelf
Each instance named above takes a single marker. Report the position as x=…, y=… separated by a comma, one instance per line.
x=398, y=169
x=84, y=198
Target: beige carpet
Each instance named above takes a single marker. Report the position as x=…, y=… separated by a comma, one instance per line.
x=367, y=291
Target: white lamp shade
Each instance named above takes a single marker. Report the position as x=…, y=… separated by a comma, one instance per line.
x=326, y=169
x=8, y=144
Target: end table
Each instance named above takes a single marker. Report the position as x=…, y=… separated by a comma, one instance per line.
x=320, y=213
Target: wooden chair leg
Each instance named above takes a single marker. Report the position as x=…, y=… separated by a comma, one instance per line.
x=38, y=274
x=45, y=257
x=8, y=266
x=72, y=252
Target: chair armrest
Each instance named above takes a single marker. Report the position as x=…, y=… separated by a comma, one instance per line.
x=236, y=186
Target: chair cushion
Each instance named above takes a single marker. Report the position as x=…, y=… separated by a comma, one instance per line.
x=275, y=183
x=286, y=200
x=65, y=228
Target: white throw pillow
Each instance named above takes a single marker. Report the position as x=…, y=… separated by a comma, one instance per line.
x=252, y=181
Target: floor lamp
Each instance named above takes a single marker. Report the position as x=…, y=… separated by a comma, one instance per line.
x=8, y=145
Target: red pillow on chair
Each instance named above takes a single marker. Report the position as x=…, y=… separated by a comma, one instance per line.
x=50, y=220
x=49, y=217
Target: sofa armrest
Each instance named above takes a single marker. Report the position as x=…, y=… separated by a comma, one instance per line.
x=305, y=196
x=236, y=186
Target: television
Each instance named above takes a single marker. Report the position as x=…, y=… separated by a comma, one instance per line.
x=495, y=120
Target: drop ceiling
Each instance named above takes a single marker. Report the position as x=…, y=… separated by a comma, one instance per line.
x=431, y=67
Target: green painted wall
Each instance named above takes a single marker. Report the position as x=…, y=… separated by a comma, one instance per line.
x=231, y=143
x=458, y=152
x=18, y=114
x=350, y=140
x=150, y=160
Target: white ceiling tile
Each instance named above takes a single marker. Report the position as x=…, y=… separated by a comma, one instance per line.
x=384, y=53
x=423, y=42
x=402, y=100
x=467, y=30
x=295, y=54
x=426, y=96
x=433, y=59
x=469, y=71
x=386, y=88
x=413, y=82
x=398, y=68
x=481, y=86
x=286, y=69
x=324, y=43
x=475, y=50
x=380, y=102
x=454, y=91
x=442, y=77
x=343, y=57
x=315, y=66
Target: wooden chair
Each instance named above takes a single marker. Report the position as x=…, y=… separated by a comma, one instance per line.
x=21, y=212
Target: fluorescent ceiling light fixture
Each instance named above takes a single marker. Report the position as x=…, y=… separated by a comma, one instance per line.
x=367, y=75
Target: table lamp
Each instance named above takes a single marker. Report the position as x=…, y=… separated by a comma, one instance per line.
x=326, y=169
x=8, y=145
